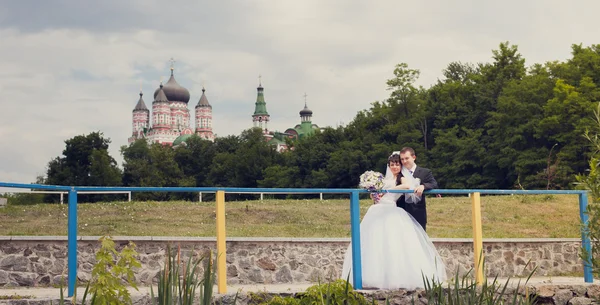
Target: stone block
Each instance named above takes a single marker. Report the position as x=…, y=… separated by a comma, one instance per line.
x=579, y=301
x=562, y=297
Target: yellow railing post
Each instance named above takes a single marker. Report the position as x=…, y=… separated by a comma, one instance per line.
x=477, y=237
x=221, y=251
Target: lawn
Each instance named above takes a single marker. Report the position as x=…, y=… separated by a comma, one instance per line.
x=507, y=216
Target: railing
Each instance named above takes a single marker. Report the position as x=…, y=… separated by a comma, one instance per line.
x=474, y=194
x=62, y=194
x=255, y=193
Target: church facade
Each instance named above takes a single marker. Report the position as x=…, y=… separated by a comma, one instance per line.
x=169, y=121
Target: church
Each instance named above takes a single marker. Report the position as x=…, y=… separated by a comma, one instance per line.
x=261, y=118
x=170, y=115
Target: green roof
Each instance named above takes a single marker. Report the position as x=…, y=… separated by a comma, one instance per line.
x=275, y=141
x=305, y=129
x=260, y=107
x=181, y=139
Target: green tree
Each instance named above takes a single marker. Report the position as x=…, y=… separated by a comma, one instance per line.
x=153, y=166
x=278, y=176
x=591, y=182
x=311, y=155
x=458, y=159
x=136, y=162
x=520, y=154
x=252, y=157
x=565, y=117
x=85, y=161
x=195, y=159
x=345, y=166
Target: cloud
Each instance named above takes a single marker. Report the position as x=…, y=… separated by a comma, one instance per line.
x=71, y=68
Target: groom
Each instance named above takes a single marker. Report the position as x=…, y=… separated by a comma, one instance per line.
x=418, y=210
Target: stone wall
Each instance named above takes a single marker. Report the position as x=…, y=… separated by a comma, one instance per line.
x=40, y=261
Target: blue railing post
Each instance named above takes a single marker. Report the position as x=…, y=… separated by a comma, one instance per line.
x=72, y=241
x=585, y=238
x=355, y=225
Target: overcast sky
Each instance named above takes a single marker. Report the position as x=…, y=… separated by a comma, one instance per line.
x=69, y=68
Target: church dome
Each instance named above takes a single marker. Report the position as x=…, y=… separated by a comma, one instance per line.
x=141, y=106
x=174, y=92
x=203, y=102
x=181, y=139
x=305, y=111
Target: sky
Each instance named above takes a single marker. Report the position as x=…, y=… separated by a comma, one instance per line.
x=69, y=68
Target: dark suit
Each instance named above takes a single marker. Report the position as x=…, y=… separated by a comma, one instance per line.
x=418, y=210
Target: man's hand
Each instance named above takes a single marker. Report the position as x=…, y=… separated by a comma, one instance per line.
x=419, y=190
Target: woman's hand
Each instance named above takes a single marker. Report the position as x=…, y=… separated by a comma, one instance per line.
x=376, y=197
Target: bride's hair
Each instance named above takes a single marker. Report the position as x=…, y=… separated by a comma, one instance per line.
x=395, y=157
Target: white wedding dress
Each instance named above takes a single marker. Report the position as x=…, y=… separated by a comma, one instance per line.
x=396, y=252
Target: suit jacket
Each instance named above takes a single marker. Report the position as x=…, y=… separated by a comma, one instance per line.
x=418, y=210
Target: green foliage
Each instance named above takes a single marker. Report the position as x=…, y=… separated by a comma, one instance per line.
x=338, y=292
x=465, y=290
x=278, y=176
x=85, y=161
x=189, y=160
x=591, y=182
x=460, y=290
x=152, y=165
x=106, y=286
x=23, y=198
x=178, y=282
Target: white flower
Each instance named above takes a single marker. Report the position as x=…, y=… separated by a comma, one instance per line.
x=371, y=180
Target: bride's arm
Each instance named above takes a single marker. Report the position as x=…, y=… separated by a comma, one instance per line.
x=403, y=185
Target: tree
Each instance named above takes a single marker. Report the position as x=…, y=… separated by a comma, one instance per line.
x=408, y=106
x=136, y=162
x=252, y=157
x=154, y=166
x=564, y=121
x=458, y=161
x=516, y=150
x=591, y=182
x=85, y=161
x=195, y=159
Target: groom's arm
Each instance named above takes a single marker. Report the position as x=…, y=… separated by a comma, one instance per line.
x=429, y=181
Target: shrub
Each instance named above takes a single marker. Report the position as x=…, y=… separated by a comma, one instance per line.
x=177, y=282
x=338, y=292
x=111, y=266
x=591, y=182
x=464, y=290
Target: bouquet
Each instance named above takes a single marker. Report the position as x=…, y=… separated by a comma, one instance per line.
x=373, y=182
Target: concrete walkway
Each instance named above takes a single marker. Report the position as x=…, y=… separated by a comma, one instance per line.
x=54, y=293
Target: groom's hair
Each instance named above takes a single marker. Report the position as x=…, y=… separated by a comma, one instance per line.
x=407, y=149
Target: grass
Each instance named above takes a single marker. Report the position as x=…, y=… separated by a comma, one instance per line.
x=518, y=216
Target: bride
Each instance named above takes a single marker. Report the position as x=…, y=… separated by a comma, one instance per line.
x=396, y=252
